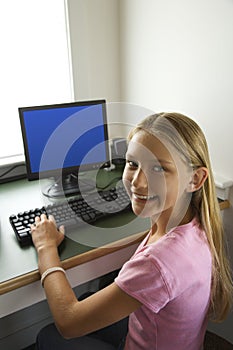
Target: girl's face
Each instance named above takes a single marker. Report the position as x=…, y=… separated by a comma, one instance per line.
x=155, y=177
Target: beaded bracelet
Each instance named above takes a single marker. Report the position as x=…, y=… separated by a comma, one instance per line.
x=50, y=270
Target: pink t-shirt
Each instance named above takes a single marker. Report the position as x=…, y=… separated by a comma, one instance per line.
x=172, y=279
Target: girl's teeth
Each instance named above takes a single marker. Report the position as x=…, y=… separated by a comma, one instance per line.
x=144, y=197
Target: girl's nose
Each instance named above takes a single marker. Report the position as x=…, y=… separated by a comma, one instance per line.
x=139, y=179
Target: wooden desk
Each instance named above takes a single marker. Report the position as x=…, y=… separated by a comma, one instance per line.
x=224, y=204
x=19, y=265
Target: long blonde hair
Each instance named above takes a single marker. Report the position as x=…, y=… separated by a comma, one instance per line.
x=187, y=137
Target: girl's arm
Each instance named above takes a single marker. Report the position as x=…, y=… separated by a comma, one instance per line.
x=75, y=318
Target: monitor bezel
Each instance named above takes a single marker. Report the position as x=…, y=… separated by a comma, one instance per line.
x=68, y=170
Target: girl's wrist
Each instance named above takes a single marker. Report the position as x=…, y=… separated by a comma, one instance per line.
x=44, y=248
x=48, y=257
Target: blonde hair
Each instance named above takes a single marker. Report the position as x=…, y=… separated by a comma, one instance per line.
x=187, y=137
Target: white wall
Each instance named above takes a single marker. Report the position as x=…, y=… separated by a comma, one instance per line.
x=177, y=55
x=161, y=55
x=94, y=32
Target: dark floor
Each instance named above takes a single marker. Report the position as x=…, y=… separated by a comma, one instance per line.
x=212, y=342
x=31, y=347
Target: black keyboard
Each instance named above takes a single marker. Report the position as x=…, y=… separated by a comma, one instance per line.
x=73, y=213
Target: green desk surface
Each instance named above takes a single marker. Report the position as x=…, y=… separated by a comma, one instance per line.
x=19, y=265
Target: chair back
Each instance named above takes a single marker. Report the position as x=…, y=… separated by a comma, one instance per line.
x=215, y=342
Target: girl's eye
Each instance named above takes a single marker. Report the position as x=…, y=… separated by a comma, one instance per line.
x=132, y=164
x=158, y=169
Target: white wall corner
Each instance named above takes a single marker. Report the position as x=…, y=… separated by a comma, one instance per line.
x=223, y=186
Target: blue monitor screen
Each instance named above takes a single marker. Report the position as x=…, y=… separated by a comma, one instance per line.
x=64, y=136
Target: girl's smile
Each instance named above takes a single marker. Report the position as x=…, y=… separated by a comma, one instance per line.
x=143, y=197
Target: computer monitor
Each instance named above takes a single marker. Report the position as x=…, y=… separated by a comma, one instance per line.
x=62, y=139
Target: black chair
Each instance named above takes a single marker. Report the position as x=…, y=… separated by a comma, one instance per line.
x=215, y=342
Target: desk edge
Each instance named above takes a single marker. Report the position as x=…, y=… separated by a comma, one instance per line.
x=73, y=261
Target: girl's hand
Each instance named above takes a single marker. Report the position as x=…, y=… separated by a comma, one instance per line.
x=45, y=233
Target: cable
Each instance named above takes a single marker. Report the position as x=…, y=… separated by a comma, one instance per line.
x=10, y=170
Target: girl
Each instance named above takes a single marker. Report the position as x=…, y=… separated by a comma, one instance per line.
x=178, y=278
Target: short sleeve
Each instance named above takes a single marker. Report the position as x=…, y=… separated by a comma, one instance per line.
x=142, y=279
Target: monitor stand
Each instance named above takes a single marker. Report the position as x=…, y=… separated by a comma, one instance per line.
x=70, y=185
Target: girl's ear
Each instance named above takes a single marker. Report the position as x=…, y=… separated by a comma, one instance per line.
x=198, y=178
